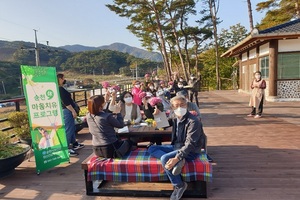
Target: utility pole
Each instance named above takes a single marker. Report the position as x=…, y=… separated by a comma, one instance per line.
x=3, y=87
x=37, y=56
x=136, y=72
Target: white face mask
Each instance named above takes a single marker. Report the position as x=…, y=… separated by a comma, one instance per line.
x=257, y=77
x=138, y=86
x=159, y=92
x=151, y=87
x=180, y=86
x=128, y=99
x=180, y=111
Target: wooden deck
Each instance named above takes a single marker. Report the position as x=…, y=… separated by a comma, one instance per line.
x=253, y=158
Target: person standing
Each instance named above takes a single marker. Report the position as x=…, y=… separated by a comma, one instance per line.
x=69, y=116
x=187, y=140
x=194, y=85
x=257, y=97
x=147, y=80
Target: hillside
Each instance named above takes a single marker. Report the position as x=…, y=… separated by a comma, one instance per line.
x=8, y=50
x=11, y=51
x=136, y=52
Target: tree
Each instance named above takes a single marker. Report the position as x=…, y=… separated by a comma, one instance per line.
x=250, y=14
x=227, y=39
x=163, y=24
x=146, y=22
x=213, y=6
x=278, y=12
x=231, y=37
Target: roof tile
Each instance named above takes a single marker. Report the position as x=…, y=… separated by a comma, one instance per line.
x=288, y=27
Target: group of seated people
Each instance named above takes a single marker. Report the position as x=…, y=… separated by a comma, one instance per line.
x=188, y=138
x=142, y=102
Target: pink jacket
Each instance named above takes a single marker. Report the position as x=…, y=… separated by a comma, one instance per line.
x=135, y=92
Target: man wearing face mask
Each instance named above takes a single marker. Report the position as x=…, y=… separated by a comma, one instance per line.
x=69, y=116
x=258, y=87
x=187, y=140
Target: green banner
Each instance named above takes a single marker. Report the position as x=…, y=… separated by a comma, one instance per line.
x=45, y=116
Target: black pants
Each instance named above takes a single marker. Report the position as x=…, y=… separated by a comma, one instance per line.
x=107, y=151
x=194, y=94
x=259, y=111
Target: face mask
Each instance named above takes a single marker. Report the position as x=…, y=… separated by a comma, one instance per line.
x=111, y=90
x=180, y=86
x=151, y=87
x=180, y=111
x=257, y=77
x=160, y=92
x=64, y=82
x=128, y=99
x=138, y=86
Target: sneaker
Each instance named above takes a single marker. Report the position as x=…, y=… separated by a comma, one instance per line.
x=209, y=158
x=77, y=146
x=178, y=167
x=257, y=116
x=72, y=153
x=174, y=194
x=181, y=190
x=250, y=115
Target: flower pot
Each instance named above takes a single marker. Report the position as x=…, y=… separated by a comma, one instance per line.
x=8, y=165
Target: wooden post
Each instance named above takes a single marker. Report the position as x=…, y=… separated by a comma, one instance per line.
x=273, y=68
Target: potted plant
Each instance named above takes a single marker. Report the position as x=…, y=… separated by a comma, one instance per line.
x=11, y=154
x=20, y=122
x=80, y=121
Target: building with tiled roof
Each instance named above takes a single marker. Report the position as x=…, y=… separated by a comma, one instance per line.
x=276, y=53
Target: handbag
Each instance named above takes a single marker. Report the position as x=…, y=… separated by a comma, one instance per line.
x=124, y=147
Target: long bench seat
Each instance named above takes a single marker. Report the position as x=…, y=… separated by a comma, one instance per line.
x=139, y=166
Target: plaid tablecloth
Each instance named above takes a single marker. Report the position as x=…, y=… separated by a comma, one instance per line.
x=139, y=166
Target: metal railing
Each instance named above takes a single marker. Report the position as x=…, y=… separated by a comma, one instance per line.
x=17, y=102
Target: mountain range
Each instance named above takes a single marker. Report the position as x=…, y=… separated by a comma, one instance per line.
x=7, y=49
x=124, y=48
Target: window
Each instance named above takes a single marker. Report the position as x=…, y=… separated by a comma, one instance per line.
x=288, y=65
x=264, y=66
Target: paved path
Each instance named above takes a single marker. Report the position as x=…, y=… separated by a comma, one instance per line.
x=253, y=158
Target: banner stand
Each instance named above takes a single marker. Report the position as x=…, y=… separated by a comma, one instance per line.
x=47, y=129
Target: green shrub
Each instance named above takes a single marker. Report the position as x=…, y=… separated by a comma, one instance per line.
x=20, y=122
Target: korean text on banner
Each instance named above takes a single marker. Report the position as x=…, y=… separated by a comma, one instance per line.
x=45, y=116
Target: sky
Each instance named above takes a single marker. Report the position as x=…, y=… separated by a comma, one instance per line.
x=88, y=22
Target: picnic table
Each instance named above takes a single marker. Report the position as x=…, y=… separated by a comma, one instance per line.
x=139, y=166
x=147, y=134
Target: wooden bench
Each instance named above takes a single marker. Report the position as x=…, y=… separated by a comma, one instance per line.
x=139, y=166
